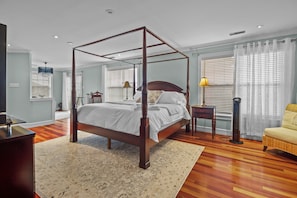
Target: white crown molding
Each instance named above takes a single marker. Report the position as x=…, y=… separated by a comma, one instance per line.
x=240, y=40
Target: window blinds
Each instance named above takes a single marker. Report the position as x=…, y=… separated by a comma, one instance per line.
x=220, y=74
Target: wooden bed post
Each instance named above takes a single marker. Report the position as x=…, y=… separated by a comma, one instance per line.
x=73, y=115
x=134, y=77
x=144, y=153
x=188, y=92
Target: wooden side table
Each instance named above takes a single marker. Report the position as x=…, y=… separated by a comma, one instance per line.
x=206, y=112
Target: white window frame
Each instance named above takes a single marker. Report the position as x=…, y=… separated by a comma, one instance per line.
x=122, y=92
x=34, y=71
x=202, y=57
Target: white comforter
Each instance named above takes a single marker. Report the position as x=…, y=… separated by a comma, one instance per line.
x=125, y=117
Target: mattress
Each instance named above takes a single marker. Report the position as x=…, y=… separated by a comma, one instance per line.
x=125, y=116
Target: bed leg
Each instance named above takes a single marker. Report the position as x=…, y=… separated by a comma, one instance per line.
x=265, y=148
x=144, y=147
x=108, y=143
x=73, y=125
x=188, y=128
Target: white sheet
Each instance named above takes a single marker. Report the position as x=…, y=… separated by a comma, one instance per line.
x=125, y=117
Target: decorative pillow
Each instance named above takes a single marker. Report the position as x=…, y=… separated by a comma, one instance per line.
x=290, y=120
x=152, y=96
x=172, y=97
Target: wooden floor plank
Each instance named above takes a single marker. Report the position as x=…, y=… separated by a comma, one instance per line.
x=223, y=169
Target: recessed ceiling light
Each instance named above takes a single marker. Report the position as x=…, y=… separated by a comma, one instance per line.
x=55, y=36
x=259, y=26
x=8, y=45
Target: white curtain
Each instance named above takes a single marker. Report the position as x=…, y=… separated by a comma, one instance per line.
x=65, y=93
x=264, y=80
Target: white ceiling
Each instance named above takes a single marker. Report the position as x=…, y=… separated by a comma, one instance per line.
x=186, y=24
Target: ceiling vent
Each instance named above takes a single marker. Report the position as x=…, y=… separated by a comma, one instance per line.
x=236, y=33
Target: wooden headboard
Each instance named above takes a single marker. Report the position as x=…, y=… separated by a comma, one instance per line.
x=162, y=85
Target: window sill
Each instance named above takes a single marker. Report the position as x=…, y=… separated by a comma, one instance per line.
x=224, y=116
x=40, y=99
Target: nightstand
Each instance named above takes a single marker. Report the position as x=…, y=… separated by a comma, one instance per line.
x=205, y=112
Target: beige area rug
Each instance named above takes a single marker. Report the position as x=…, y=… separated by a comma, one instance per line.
x=87, y=169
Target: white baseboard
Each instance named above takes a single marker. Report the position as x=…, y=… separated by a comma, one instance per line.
x=36, y=124
x=218, y=130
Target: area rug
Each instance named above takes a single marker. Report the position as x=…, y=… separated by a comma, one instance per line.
x=87, y=169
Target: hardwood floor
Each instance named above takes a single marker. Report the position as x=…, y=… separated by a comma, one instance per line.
x=47, y=132
x=223, y=169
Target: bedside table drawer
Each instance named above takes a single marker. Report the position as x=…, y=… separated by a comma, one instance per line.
x=203, y=114
x=203, y=110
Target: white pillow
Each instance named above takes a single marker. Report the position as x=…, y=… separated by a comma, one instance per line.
x=137, y=95
x=172, y=97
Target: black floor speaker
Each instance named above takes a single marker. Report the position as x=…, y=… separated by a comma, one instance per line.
x=236, y=122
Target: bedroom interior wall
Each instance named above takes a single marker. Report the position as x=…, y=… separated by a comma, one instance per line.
x=91, y=80
x=57, y=87
x=18, y=97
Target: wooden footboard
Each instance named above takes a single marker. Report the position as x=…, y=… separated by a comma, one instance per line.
x=144, y=161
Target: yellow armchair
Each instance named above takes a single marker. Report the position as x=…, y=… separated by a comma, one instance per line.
x=284, y=137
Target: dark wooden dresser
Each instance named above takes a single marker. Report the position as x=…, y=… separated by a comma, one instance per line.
x=17, y=162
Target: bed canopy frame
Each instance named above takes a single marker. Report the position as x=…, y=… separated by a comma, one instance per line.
x=132, y=55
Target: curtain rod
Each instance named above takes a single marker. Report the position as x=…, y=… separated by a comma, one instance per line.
x=270, y=41
x=280, y=41
x=233, y=43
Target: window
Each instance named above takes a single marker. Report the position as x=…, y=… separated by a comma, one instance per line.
x=41, y=85
x=220, y=72
x=259, y=76
x=115, y=79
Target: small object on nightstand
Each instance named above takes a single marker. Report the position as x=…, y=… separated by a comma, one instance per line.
x=206, y=112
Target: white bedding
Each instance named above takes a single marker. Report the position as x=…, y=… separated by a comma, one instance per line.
x=125, y=116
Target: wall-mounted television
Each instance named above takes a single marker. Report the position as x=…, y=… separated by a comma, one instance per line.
x=3, y=45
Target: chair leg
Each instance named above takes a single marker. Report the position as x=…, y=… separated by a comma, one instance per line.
x=264, y=148
x=108, y=143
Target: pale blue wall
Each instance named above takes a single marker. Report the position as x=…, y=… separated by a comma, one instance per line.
x=92, y=80
x=18, y=98
x=57, y=87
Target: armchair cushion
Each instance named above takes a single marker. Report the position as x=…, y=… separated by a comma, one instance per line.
x=290, y=120
x=285, y=134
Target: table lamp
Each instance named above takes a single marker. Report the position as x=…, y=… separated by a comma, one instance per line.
x=126, y=85
x=203, y=83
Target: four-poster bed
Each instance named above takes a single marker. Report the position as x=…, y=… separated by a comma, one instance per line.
x=149, y=42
